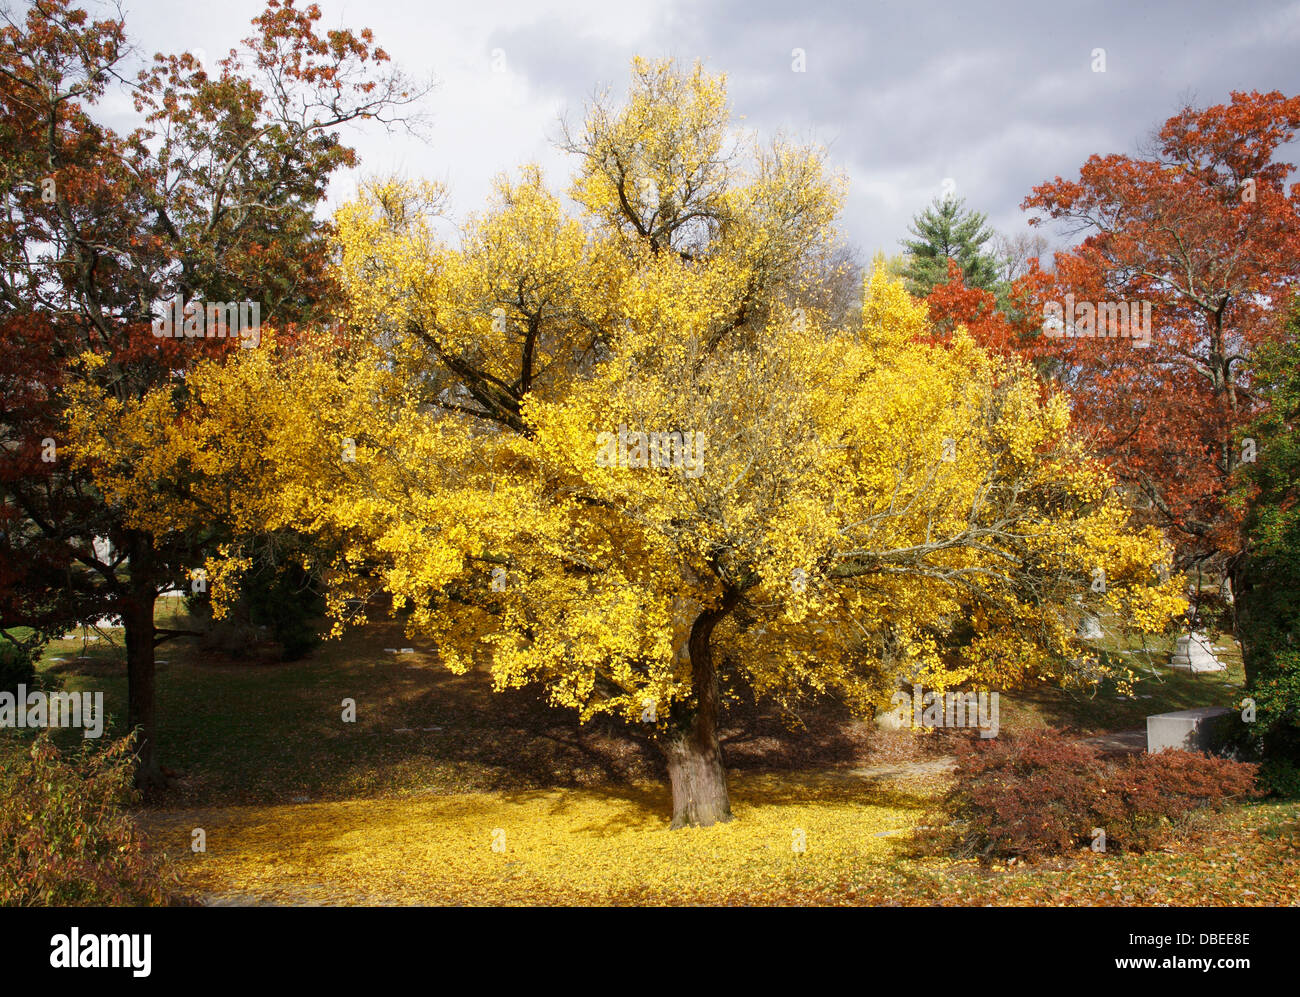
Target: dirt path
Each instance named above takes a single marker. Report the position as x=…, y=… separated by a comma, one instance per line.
x=904, y=770
x=1119, y=742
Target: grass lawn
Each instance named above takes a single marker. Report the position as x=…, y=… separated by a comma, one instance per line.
x=1157, y=688
x=444, y=792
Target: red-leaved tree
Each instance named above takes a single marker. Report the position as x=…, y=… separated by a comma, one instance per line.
x=212, y=198
x=1203, y=230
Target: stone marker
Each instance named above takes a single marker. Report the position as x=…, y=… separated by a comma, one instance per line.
x=1191, y=730
x=1090, y=628
x=1193, y=653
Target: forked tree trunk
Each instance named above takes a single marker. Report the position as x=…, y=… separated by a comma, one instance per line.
x=694, y=756
x=137, y=621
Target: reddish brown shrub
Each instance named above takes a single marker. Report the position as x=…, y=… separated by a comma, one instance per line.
x=1148, y=796
x=1043, y=795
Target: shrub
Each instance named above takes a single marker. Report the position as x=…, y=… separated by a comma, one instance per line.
x=1023, y=797
x=1268, y=576
x=287, y=601
x=65, y=839
x=1280, y=777
x=17, y=667
x=1043, y=795
x=1275, y=687
x=198, y=604
x=1147, y=797
x=230, y=636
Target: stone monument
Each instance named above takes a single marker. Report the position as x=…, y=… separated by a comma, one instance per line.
x=1089, y=628
x=1193, y=653
x=1188, y=730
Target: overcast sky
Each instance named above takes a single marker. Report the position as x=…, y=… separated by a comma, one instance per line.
x=996, y=97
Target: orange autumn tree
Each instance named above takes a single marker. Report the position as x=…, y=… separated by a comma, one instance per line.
x=1205, y=230
x=953, y=303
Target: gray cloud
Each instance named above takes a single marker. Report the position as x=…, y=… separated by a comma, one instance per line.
x=996, y=96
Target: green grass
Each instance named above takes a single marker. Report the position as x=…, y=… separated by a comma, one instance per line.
x=258, y=730
x=1157, y=688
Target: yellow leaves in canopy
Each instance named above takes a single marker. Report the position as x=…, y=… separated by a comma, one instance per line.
x=389, y=251
x=663, y=156
x=891, y=318
x=877, y=508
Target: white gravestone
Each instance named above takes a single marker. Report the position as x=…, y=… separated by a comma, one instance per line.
x=1089, y=628
x=1193, y=653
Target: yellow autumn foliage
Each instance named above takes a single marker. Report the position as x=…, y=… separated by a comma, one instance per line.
x=868, y=508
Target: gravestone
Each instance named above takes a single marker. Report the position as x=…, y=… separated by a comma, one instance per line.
x=1191, y=730
x=1089, y=628
x=1193, y=653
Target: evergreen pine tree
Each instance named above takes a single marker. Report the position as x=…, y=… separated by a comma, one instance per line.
x=947, y=229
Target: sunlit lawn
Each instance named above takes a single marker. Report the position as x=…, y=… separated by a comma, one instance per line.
x=1157, y=688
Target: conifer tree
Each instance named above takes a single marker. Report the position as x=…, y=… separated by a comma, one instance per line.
x=948, y=230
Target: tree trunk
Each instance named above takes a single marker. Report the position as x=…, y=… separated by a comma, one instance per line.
x=695, y=767
x=1243, y=613
x=698, y=778
x=137, y=621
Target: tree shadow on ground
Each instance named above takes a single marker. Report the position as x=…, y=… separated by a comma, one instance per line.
x=256, y=730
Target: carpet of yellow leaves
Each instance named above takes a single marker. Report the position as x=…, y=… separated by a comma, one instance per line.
x=611, y=845
x=567, y=846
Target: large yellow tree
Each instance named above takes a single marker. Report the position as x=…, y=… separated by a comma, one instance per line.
x=588, y=452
